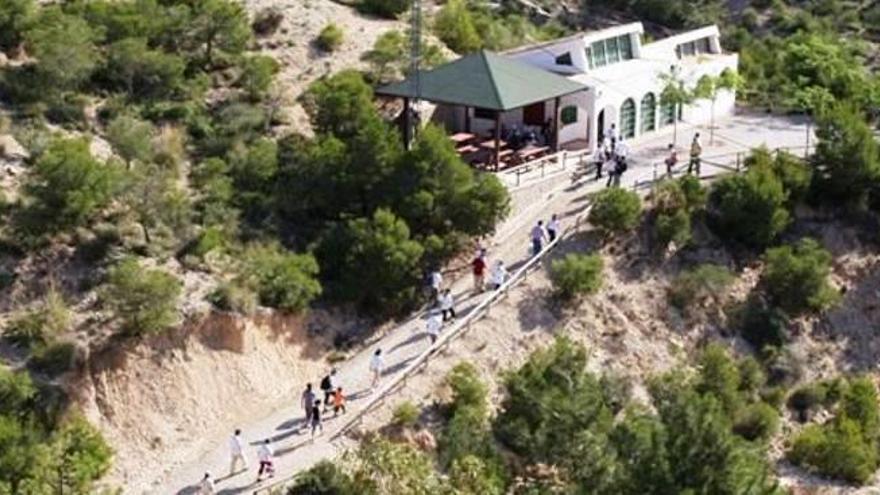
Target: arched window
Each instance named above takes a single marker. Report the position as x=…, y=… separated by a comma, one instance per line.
x=667, y=114
x=628, y=118
x=648, y=111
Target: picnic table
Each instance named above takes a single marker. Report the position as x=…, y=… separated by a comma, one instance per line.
x=468, y=148
x=461, y=137
x=532, y=152
x=490, y=144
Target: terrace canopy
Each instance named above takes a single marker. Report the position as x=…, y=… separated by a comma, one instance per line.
x=488, y=81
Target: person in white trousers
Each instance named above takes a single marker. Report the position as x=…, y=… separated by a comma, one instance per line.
x=236, y=451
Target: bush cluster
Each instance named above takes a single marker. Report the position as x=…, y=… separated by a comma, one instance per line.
x=845, y=447
x=616, y=210
x=144, y=300
x=330, y=38
x=576, y=275
x=693, y=287
x=796, y=277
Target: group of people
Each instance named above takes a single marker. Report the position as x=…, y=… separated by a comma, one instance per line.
x=696, y=154
x=612, y=149
x=265, y=455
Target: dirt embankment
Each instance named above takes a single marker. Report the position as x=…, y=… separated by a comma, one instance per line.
x=159, y=401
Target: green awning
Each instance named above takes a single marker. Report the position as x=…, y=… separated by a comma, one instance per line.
x=485, y=80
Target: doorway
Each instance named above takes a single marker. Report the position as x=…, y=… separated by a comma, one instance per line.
x=600, y=127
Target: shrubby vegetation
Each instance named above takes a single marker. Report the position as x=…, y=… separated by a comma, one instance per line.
x=616, y=210
x=576, y=275
x=692, y=288
x=144, y=300
x=676, y=202
x=330, y=38
x=749, y=208
x=796, y=277
x=845, y=447
x=42, y=452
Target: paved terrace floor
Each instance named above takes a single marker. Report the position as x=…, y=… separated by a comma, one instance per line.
x=561, y=192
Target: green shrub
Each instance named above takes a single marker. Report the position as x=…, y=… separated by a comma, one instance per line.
x=330, y=38
x=455, y=27
x=210, y=239
x=616, y=210
x=282, y=280
x=53, y=359
x=796, y=277
x=749, y=208
x=763, y=325
x=233, y=296
x=673, y=228
x=257, y=73
x=144, y=300
x=467, y=387
x=131, y=138
x=757, y=421
x=26, y=329
x=405, y=414
x=384, y=8
x=325, y=478
x=15, y=18
x=576, y=275
x=67, y=187
x=859, y=403
x=837, y=450
x=693, y=287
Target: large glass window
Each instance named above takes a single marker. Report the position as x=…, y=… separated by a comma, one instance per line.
x=628, y=118
x=598, y=49
x=626, y=49
x=691, y=48
x=612, y=50
x=609, y=51
x=648, y=113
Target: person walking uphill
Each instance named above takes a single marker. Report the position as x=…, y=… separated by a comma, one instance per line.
x=236, y=451
x=305, y=401
x=377, y=364
x=206, y=486
x=538, y=236
x=447, y=305
x=553, y=227
x=265, y=453
x=436, y=284
x=696, y=155
x=434, y=325
x=327, y=388
x=316, y=418
x=338, y=402
x=478, y=266
x=498, y=275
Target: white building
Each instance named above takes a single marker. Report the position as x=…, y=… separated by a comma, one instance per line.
x=623, y=77
x=587, y=80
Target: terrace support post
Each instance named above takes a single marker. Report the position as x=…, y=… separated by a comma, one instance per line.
x=497, y=140
x=407, y=123
x=556, y=124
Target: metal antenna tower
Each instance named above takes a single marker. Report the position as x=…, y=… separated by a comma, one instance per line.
x=415, y=61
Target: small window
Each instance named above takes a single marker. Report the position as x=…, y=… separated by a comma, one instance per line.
x=599, y=54
x=568, y=115
x=484, y=113
x=704, y=45
x=564, y=59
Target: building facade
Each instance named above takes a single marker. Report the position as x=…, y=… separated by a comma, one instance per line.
x=623, y=83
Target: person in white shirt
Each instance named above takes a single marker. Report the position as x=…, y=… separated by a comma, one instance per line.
x=264, y=454
x=206, y=486
x=377, y=364
x=436, y=284
x=553, y=227
x=498, y=275
x=599, y=159
x=447, y=305
x=236, y=450
x=612, y=135
x=434, y=325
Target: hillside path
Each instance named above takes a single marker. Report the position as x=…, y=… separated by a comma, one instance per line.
x=564, y=193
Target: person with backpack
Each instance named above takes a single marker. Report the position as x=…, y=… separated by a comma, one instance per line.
x=327, y=388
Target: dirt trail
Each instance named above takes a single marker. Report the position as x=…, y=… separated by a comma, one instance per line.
x=401, y=344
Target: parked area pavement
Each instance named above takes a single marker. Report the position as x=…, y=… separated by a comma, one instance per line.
x=564, y=192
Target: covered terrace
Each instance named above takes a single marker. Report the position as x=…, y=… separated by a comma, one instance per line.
x=484, y=98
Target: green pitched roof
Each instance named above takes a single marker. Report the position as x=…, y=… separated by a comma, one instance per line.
x=485, y=80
